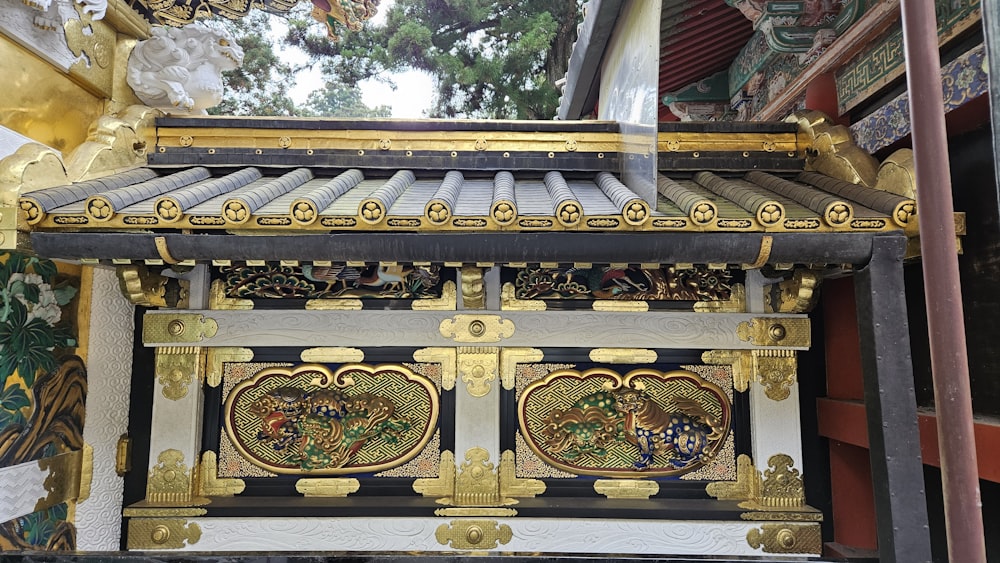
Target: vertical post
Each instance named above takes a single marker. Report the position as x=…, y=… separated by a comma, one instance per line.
x=942, y=286
x=890, y=405
x=991, y=31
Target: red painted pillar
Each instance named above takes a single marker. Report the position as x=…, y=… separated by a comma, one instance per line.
x=942, y=286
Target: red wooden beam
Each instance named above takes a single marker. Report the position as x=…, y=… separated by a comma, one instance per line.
x=844, y=421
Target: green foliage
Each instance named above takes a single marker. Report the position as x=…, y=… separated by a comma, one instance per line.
x=490, y=59
x=341, y=100
x=38, y=527
x=12, y=400
x=30, y=312
x=260, y=86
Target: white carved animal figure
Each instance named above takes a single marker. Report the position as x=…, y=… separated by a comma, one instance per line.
x=179, y=70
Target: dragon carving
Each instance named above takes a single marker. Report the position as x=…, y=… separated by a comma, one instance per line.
x=179, y=70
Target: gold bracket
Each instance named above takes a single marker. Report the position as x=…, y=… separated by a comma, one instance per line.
x=787, y=332
x=779, y=488
x=161, y=533
x=446, y=357
x=444, y=484
x=512, y=486
x=177, y=367
x=796, y=295
x=63, y=480
x=476, y=328
x=334, y=488
x=766, y=242
x=163, y=251
x=774, y=369
x=737, y=302
x=786, y=538
x=171, y=482
x=218, y=301
x=473, y=534
x=216, y=357
x=509, y=302
x=510, y=357
x=630, y=489
x=447, y=302
x=143, y=287
x=209, y=483
x=123, y=455
x=478, y=366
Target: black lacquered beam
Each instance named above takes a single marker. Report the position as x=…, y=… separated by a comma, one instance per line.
x=663, y=248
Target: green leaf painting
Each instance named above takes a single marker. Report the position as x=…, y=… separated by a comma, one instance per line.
x=31, y=318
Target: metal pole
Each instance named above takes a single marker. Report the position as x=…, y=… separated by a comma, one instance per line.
x=942, y=287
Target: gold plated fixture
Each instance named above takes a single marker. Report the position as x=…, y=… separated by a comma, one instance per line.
x=473, y=534
x=171, y=481
x=478, y=366
x=791, y=332
x=332, y=488
x=332, y=355
x=509, y=302
x=477, y=328
x=162, y=533
x=179, y=328
x=511, y=485
x=630, y=489
x=786, y=538
x=623, y=356
x=177, y=367
x=218, y=301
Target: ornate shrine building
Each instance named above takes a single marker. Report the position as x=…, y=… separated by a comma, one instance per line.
x=671, y=322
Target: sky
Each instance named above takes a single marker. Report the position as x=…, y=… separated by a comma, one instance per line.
x=410, y=99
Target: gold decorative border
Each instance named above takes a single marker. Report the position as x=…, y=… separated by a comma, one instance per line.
x=620, y=381
x=340, y=379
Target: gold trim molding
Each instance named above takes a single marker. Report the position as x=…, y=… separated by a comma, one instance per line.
x=135, y=511
x=463, y=511
x=477, y=483
x=333, y=488
x=334, y=305
x=473, y=534
x=630, y=489
x=786, y=538
x=477, y=328
x=162, y=533
x=217, y=357
x=86, y=472
x=209, y=483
